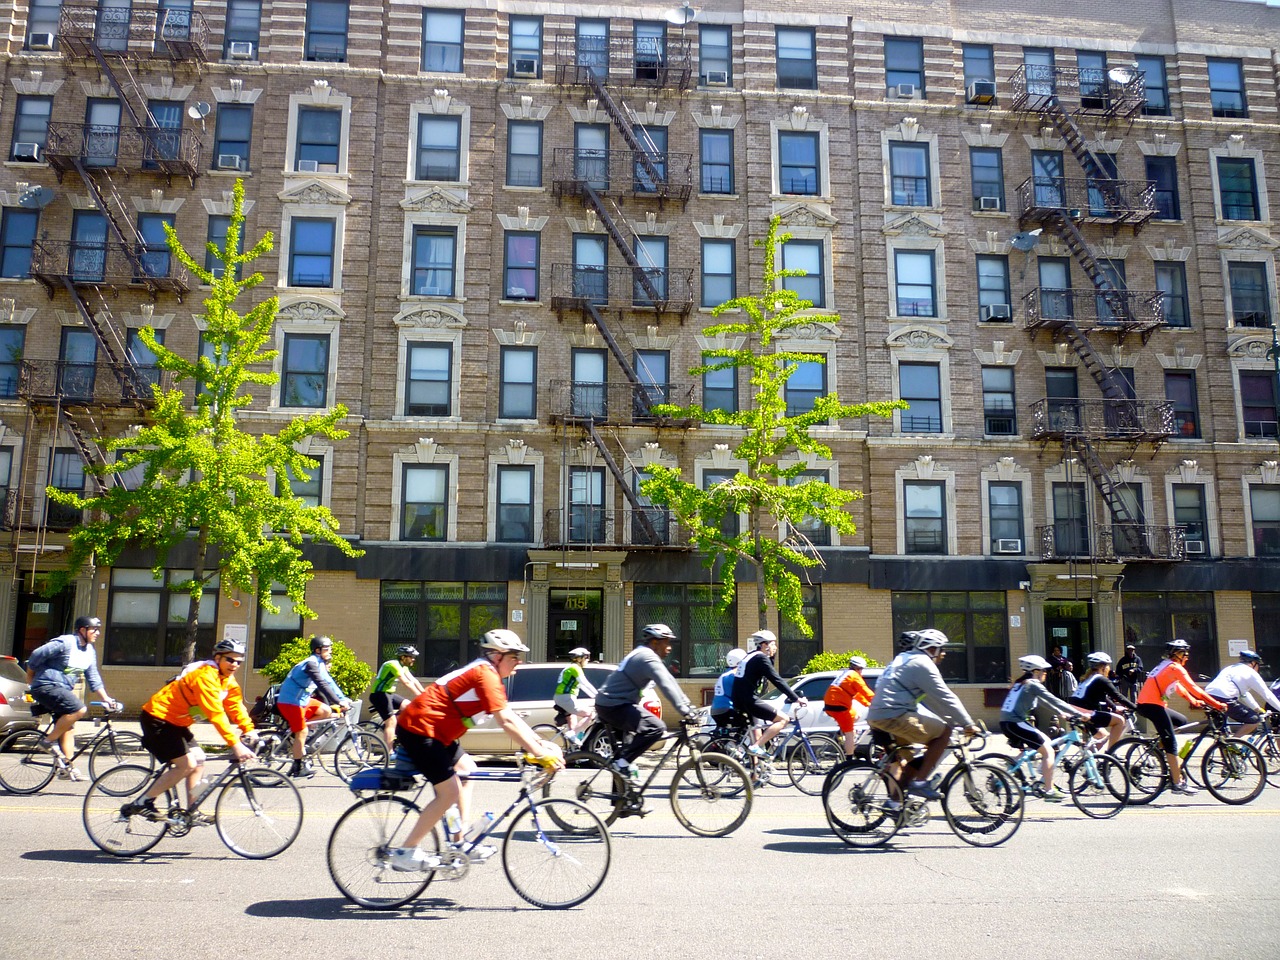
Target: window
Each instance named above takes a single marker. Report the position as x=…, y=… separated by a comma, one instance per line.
x=275, y=629
x=719, y=272
x=1155, y=85
x=650, y=50
x=1114, y=271
x=17, y=236
x=719, y=387
x=1070, y=520
x=1054, y=276
x=798, y=170
x=319, y=136
x=586, y=505
x=717, y=161
x=1062, y=395
x=1237, y=188
x=1098, y=203
x=1258, y=403
x=518, y=396
x=797, y=60
x=794, y=648
x=591, y=39
x=30, y=126
x=1226, y=88
x=443, y=620
x=232, y=135
x=153, y=252
x=1189, y=513
x=429, y=380
x=1092, y=73
x=304, y=376
x=88, y=245
x=1049, y=186
x=998, y=410
x=524, y=153
x=521, y=271
x=730, y=523
x=1163, y=172
x=1171, y=281
x=6, y=475
x=811, y=528
x=68, y=476
x=42, y=18
x=1266, y=632
x=993, y=288
x=1153, y=619
x=102, y=116
x=714, y=60
x=915, y=290
x=591, y=154
x=442, y=41
x=904, y=62
x=433, y=261
x=1004, y=509
x=924, y=519
x=909, y=174
x=806, y=255
x=526, y=47
x=147, y=619
x=1126, y=535
x=590, y=279
x=311, y=252
x=142, y=357
x=979, y=62
x=650, y=281
x=920, y=385
x=217, y=235
x=327, y=30
x=987, y=174
x=1265, y=502
x=308, y=489
x=704, y=632
x=653, y=140
x=1041, y=72
x=164, y=135
x=1180, y=390
x=244, y=19
x=439, y=148
x=808, y=382
x=515, y=505
x=975, y=623
x=590, y=384
x=12, y=340
x=425, y=511
x=77, y=363
x=653, y=368
x=1250, y=299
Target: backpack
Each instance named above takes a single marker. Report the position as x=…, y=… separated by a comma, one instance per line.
x=264, y=707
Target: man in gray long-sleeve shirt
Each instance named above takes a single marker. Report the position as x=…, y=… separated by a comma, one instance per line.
x=618, y=699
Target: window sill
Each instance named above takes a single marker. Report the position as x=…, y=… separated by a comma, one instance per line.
x=26, y=164
x=519, y=303
x=718, y=196
x=429, y=298
x=1223, y=222
x=238, y=174
x=453, y=184
x=523, y=188
x=312, y=174
x=405, y=418
x=991, y=214
x=810, y=197
x=906, y=208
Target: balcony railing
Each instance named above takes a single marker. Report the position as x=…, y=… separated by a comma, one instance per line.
x=1086, y=307
x=123, y=31
x=590, y=527
x=626, y=61
x=1114, y=541
x=111, y=147
x=1110, y=201
x=106, y=264
x=1133, y=420
x=1116, y=91
x=96, y=384
x=623, y=403
x=621, y=173
x=573, y=286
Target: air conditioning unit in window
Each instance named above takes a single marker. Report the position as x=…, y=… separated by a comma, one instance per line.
x=981, y=91
x=41, y=41
x=988, y=203
x=308, y=166
x=996, y=311
x=1008, y=546
x=903, y=91
x=240, y=50
x=27, y=152
x=525, y=67
x=230, y=161
x=717, y=78
x=1194, y=546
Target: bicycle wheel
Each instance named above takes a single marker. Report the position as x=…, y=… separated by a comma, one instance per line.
x=359, y=852
x=1145, y=766
x=1193, y=762
x=552, y=734
x=259, y=814
x=711, y=795
x=274, y=749
x=1099, y=787
x=1269, y=746
x=588, y=779
x=118, y=747
x=1011, y=766
x=983, y=804
x=1234, y=771
x=863, y=804
x=24, y=766
x=556, y=853
x=811, y=761
x=104, y=818
x=359, y=751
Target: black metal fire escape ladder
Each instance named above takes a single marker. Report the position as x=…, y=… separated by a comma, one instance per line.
x=641, y=514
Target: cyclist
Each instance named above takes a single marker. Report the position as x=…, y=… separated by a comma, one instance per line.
x=847, y=689
x=1242, y=689
x=383, y=697
x=618, y=700
x=1098, y=694
x=297, y=706
x=210, y=690
x=575, y=695
x=1027, y=692
x=430, y=727
x=912, y=678
x=722, y=712
x=1170, y=676
x=749, y=677
x=52, y=673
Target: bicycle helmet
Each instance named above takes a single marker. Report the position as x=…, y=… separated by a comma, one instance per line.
x=229, y=646
x=760, y=638
x=1032, y=662
x=656, y=631
x=321, y=643
x=1098, y=658
x=1248, y=656
x=857, y=663
x=407, y=651
x=734, y=657
x=925, y=640
x=93, y=622
x=1177, y=646
x=579, y=653
x=504, y=641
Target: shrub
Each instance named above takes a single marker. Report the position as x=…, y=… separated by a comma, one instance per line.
x=351, y=675
x=831, y=660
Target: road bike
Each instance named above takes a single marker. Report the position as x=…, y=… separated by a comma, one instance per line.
x=1232, y=770
x=26, y=767
x=807, y=758
x=257, y=811
x=555, y=853
x=357, y=748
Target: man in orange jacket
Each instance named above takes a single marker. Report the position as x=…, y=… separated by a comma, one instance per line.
x=837, y=703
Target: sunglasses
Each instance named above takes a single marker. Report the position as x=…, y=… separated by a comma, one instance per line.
x=234, y=661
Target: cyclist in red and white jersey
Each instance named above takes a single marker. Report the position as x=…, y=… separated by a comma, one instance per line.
x=1169, y=677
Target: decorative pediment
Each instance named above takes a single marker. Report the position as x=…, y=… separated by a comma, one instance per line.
x=919, y=338
x=518, y=336
x=1235, y=145
x=1049, y=139
x=515, y=450
x=992, y=244
x=1244, y=238
x=1060, y=356
x=721, y=456
x=923, y=465
x=1269, y=470
x=715, y=119
x=907, y=129
x=235, y=92
x=998, y=356
x=9, y=312
x=1180, y=360
x=651, y=116
x=1161, y=147
x=308, y=310
x=591, y=113
x=651, y=339
x=1249, y=347
x=1128, y=472
x=313, y=190
x=652, y=453
x=985, y=138
x=222, y=208
x=1169, y=250
x=1102, y=145
x=164, y=89
x=1006, y=469
x=1188, y=471
x=425, y=449
x=99, y=89
x=812, y=329
x=798, y=118
x=522, y=220
x=721, y=341
x=650, y=226
x=321, y=94
x=914, y=225
x=435, y=200
x=155, y=202
x=588, y=224
x=1112, y=250
x=525, y=110
x=157, y=321
x=802, y=214
x=429, y=316
x=717, y=229
x=34, y=84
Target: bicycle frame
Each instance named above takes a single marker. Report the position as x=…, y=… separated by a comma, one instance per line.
x=106, y=730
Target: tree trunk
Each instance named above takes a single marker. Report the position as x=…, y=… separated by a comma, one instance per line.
x=193, y=606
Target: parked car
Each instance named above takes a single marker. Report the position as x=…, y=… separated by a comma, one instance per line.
x=15, y=712
x=531, y=693
x=813, y=687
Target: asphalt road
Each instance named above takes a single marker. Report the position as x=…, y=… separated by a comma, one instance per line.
x=1184, y=879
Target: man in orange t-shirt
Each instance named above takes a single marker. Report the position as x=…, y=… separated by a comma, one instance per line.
x=846, y=690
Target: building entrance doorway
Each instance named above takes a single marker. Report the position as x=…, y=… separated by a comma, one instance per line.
x=1069, y=625
x=40, y=618
x=575, y=618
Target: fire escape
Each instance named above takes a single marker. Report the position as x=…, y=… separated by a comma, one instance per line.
x=1063, y=206
x=603, y=179
x=81, y=393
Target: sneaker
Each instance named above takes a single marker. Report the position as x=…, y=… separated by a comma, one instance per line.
x=302, y=771
x=923, y=788
x=757, y=751
x=893, y=806
x=477, y=854
x=145, y=808
x=69, y=773
x=1053, y=796
x=622, y=768
x=412, y=860
x=1186, y=788
x=199, y=819
x=52, y=746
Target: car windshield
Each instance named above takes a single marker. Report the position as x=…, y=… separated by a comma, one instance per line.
x=10, y=670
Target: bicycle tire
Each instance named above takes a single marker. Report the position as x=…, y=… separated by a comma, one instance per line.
x=1269, y=746
x=1010, y=766
x=104, y=822
x=810, y=762
x=711, y=795
x=1145, y=766
x=25, y=767
x=1234, y=771
x=556, y=853
x=857, y=798
x=983, y=804
x=1099, y=787
x=357, y=751
x=1192, y=763
x=119, y=747
x=552, y=734
x=274, y=749
x=258, y=814
x=588, y=779
x=358, y=852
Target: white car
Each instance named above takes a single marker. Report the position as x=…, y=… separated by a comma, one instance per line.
x=15, y=712
x=813, y=687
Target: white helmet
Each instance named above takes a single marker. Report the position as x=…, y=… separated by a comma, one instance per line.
x=1099, y=658
x=734, y=657
x=925, y=640
x=504, y=641
x=577, y=652
x=760, y=638
x=1033, y=662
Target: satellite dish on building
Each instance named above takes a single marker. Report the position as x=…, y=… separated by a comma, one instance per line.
x=199, y=110
x=36, y=198
x=1026, y=242
x=680, y=15
x=1122, y=75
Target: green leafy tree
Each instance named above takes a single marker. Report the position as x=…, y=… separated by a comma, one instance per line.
x=831, y=660
x=767, y=491
x=206, y=478
x=351, y=674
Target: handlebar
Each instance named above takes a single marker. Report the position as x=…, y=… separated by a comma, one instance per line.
x=115, y=706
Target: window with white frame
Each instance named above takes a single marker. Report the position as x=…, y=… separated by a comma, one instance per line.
x=920, y=384
x=515, y=505
x=730, y=523
x=425, y=506
x=525, y=47
x=798, y=169
x=428, y=379
x=312, y=251
x=909, y=174
x=986, y=174
x=1171, y=281
x=30, y=128
x=806, y=255
x=915, y=293
x=17, y=240
x=1189, y=513
x=811, y=528
x=1264, y=500
x=808, y=382
x=998, y=410
x=307, y=486
x=13, y=338
x=715, y=62
x=716, y=155
x=1238, y=188
x=1250, y=293
x=304, y=375
x=1226, y=87
x=243, y=29
x=719, y=272
x=233, y=133
x=439, y=148
x=319, y=140
x=587, y=521
x=924, y=516
x=1004, y=509
x=589, y=394
x=719, y=387
x=326, y=38
x=524, y=153
x=518, y=391
x=993, y=288
x=1258, y=403
x=520, y=270
x=904, y=63
x=434, y=252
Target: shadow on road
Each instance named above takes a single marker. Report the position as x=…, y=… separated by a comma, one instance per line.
x=336, y=908
x=97, y=856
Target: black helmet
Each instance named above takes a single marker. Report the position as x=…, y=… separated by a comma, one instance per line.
x=93, y=622
x=320, y=643
x=656, y=631
x=407, y=651
x=1177, y=646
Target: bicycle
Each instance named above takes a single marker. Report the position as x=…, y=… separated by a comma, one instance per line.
x=710, y=793
x=865, y=808
x=258, y=812
x=26, y=767
x=1267, y=740
x=1232, y=770
x=357, y=748
x=556, y=852
x=808, y=758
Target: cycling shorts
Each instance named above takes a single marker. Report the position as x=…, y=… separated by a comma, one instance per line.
x=1164, y=720
x=431, y=758
x=58, y=701
x=911, y=727
x=759, y=710
x=1099, y=719
x=843, y=716
x=571, y=705
x=386, y=705
x=297, y=716
x=164, y=740
x=1022, y=735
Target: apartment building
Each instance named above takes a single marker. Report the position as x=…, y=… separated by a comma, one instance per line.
x=499, y=232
